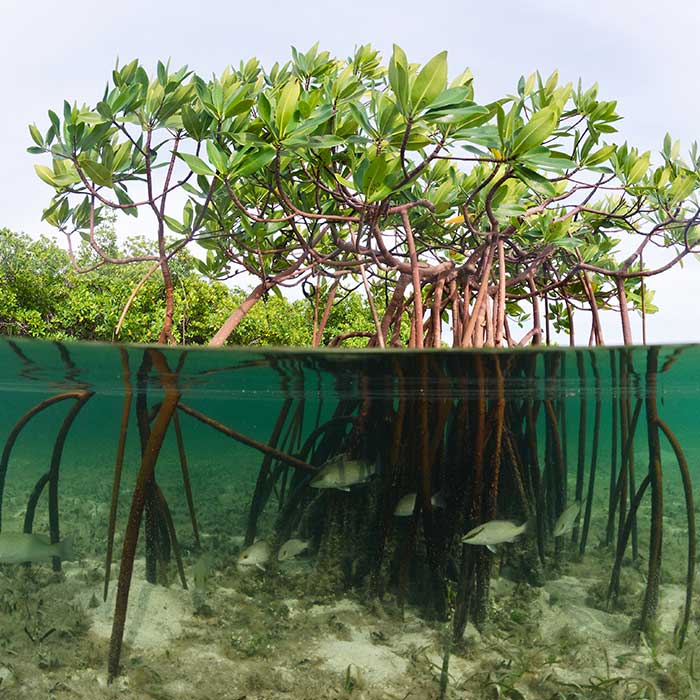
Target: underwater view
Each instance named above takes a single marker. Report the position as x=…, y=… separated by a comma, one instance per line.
x=273, y=524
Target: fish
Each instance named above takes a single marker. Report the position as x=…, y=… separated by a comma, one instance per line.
x=291, y=548
x=406, y=504
x=201, y=571
x=22, y=547
x=342, y=473
x=567, y=519
x=257, y=554
x=495, y=532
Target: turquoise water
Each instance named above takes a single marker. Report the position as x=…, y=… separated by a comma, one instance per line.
x=219, y=451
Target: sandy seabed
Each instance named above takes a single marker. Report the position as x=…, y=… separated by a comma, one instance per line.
x=240, y=640
x=282, y=634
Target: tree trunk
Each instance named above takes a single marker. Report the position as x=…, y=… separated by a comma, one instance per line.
x=624, y=311
x=237, y=316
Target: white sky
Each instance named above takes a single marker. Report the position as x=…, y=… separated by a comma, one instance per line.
x=644, y=54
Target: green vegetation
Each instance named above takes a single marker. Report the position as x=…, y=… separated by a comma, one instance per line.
x=492, y=217
x=43, y=296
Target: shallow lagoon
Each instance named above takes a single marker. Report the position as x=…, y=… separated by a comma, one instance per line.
x=371, y=607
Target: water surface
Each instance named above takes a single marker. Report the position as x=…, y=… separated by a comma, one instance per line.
x=366, y=609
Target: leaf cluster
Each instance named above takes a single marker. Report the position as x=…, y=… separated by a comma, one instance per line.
x=314, y=163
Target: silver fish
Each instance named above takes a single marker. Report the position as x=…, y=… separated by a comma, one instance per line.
x=20, y=547
x=495, y=532
x=257, y=554
x=405, y=506
x=567, y=519
x=342, y=473
x=291, y=548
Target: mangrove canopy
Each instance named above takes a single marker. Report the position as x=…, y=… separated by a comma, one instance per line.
x=500, y=220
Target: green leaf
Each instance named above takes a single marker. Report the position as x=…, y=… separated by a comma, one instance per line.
x=104, y=109
x=508, y=209
x=345, y=182
x=55, y=122
x=535, y=181
x=57, y=214
x=310, y=124
x=50, y=211
x=682, y=186
x=417, y=139
x=190, y=189
x=188, y=214
x=249, y=162
x=540, y=126
x=544, y=158
x=430, y=82
x=124, y=198
x=379, y=194
x=486, y=135
x=451, y=98
x=67, y=112
x=569, y=243
x=358, y=174
x=216, y=156
x=89, y=117
x=286, y=105
x=46, y=174
x=398, y=77
x=235, y=108
x=36, y=135
x=326, y=141
x=174, y=224
x=96, y=172
x=66, y=179
x=600, y=156
x=195, y=164
x=359, y=113
x=373, y=179
x=264, y=108
x=639, y=168
x=190, y=120
x=667, y=145
x=122, y=156
x=470, y=115
x=217, y=98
